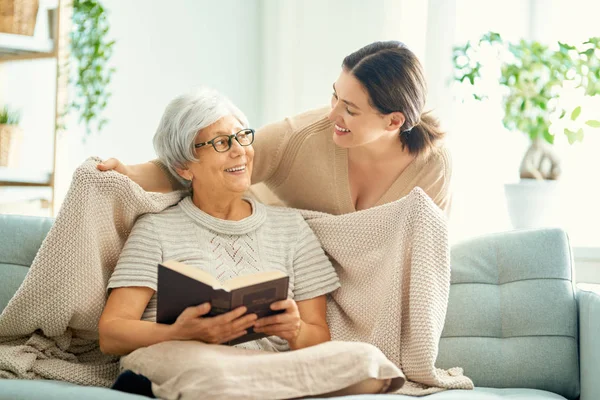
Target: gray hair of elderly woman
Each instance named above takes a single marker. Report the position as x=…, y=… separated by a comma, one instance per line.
x=183, y=118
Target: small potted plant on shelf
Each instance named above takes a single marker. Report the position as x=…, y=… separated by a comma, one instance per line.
x=9, y=130
x=539, y=84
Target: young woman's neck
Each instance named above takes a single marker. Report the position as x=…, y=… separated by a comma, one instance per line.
x=227, y=206
x=384, y=150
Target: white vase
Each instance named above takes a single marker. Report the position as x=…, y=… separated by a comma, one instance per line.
x=533, y=203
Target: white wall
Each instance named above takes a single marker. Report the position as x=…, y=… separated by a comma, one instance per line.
x=305, y=42
x=163, y=49
x=279, y=57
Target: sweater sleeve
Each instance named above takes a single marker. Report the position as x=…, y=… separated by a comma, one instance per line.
x=138, y=262
x=440, y=189
x=269, y=147
x=437, y=181
x=314, y=275
x=177, y=183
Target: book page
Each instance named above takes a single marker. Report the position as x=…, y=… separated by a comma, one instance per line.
x=252, y=279
x=193, y=272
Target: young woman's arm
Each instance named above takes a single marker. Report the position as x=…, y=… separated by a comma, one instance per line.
x=148, y=175
x=154, y=176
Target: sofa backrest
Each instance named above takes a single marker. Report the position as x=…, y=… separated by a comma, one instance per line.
x=512, y=313
x=20, y=239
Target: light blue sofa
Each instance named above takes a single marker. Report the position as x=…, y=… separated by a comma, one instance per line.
x=516, y=323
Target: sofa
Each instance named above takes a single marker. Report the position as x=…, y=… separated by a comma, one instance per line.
x=516, y=322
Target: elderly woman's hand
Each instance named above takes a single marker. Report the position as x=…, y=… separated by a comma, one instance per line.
x=214, y=330
x=286, y=325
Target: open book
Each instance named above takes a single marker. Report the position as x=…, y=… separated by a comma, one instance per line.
x=181, y=286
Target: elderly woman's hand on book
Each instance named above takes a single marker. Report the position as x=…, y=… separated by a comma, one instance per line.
x=213, y=330
x=286, y=325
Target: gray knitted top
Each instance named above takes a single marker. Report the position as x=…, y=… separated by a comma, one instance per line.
x=271, y=238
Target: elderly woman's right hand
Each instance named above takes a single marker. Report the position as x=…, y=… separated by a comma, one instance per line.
x=214, y=330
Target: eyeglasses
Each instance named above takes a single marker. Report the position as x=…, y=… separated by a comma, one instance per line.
x=222, y=143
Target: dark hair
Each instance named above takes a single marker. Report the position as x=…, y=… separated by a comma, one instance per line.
x=394, y=79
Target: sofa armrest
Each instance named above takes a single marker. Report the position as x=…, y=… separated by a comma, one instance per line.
x=588, y=299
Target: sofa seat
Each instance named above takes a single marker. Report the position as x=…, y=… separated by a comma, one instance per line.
x=18, y=389
x=479, y=393
x=54, y=390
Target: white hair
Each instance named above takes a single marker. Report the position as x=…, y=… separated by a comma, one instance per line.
x=183, y=118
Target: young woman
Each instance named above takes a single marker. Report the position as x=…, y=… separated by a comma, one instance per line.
x=372, y=146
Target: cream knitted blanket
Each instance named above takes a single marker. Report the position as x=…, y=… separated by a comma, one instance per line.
x=393, y=263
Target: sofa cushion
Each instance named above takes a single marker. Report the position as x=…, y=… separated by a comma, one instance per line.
x=20, y=239
x=12, y=276
x=512, y=314
x=54, y=390
x=477, y=394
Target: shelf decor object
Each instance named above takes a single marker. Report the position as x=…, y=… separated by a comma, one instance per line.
x=9, y=129
x=18, y=16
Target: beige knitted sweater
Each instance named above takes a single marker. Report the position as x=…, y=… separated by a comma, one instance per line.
x=392, y=260
x=297, y=164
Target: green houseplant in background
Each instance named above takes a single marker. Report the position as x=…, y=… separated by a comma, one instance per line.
x=534, y=77
x=9, y=121
x=536, y=80
x=90, y=54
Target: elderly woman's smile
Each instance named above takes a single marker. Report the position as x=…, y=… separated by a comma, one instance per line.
x=238, y=169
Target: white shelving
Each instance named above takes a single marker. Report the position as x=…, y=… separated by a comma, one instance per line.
x=31, y=190
x=23, y=177
x=12, y=45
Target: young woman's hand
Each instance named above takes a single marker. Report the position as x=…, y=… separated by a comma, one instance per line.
x=149, y=176
x=191, y=325
x=286, y=325
x=112, y=164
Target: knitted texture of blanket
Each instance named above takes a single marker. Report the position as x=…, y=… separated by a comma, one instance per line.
x=393, y=263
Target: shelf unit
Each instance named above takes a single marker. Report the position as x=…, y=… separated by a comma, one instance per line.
x=54, y=17
x=19, y=45
x=18, y=177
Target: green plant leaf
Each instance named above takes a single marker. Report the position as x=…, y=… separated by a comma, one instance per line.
x=532, y=75
x=593, y=123
x=548, y=137
x=90, y=51
x=573, y=137
x=570, y=135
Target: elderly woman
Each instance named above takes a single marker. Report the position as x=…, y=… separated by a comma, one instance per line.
x=205, y=139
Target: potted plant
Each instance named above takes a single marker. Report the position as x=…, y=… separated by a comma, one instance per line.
x=535, y=79
x=9, y=120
